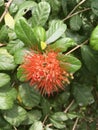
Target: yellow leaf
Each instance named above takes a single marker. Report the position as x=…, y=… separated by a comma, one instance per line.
x=43, y=45
x=9, y=21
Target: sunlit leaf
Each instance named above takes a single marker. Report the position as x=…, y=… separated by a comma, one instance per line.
x=6, y=60
x=94, y=38
x=40, y=14
x=69, y=63
x=62, y=45
x=55, y=31
x=37, y=126
x=7, y=97
x=15, y=116
x=4, y=79
x=24, y=32
x=9, y=21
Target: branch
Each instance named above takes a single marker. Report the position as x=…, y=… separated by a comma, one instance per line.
x=69, y=106
x=86, y=9
x=69, y=15
x=78, y=46
x=14, y=128
x=75, y=124
x=6, y=9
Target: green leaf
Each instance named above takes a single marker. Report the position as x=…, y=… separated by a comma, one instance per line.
x=20, y=74
x=47, y=128
x=1, y=2
x=4, y=79
x=75, y=22
x=6, y=60
x=23, y=8
x=82, y=94
x=94, y=7
x=55, y=6
x=57, y=124
x=40, y=14
x=32, y=116
x=29, y=96
x=19, y=55
x=46, y=106
x=64, y=6
x=69, y=63
x=59, y=116
x=7, y=97
x=24, y=32
x=55, y=31
x=72, y=115
x=3, y=34
x=15, y=116
x=40, y=35
x=94, y=38
x=62, y=44
x=14, y=45
x=37, y=126
x=90, y=58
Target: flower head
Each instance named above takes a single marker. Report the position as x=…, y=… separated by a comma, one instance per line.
x=44, y=71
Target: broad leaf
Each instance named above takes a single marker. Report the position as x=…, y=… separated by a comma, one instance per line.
x=62, y=45
x=55, y=31
x=23, y=8
x=20, y=74
x=15, y=116
x=75, y=22
x=59, y=116
x=4, y=79
x=94, y=39
x=82, y=94
x=3, y=34
x=32, y=116
x=29, y=96
x=24, y=32
x=14, y=45
x=9, y=21
x=6, y=60
x=94, y=7
x=1, y=2
x=69, y=63
x=40, y=14
x=90, y=58
x=4, y=125
x=58, y=124
x=7, y=97
x=20, y=55
x=37, y=126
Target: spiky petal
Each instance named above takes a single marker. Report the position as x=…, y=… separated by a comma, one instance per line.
x=44, y=71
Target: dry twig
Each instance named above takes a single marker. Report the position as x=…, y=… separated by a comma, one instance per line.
x=75, y=48
x=75, y=124
x=69, y=106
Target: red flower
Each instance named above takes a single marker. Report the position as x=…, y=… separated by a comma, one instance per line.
x=44, y=71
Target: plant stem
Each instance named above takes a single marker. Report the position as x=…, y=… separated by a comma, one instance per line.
x=75, y=48
x=86, y=9
x=69, y=106
x=70, y=14
x=75, y=124
x=6, y=9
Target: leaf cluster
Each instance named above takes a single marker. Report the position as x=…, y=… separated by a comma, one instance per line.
x=64, y=26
